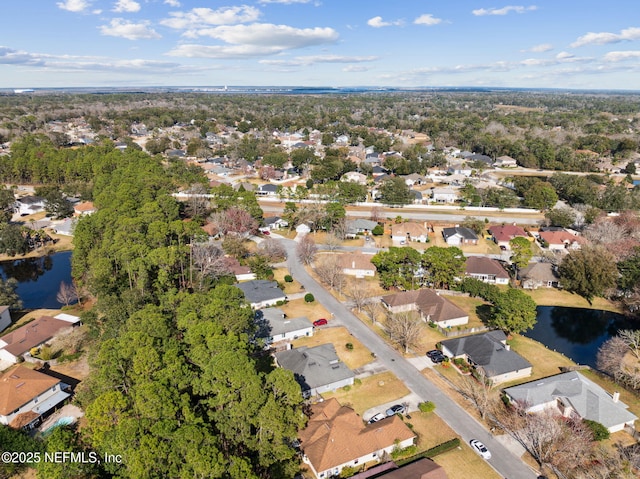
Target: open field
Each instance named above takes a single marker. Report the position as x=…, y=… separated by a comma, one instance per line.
x=370, y=392
x=558, y=297
x=339, y=337
x=313, y=311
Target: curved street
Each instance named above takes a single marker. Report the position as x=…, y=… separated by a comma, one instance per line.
x=503, y=461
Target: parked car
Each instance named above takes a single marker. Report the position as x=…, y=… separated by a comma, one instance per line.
x=436, y=356
x=395, y=409
x=266, y=232
x=503, y=247
x=320, y=322
x=480, y=448
x=378, y=417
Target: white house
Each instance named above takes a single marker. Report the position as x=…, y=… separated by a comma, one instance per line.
x=354, y=177
x=409, y=231
x=261, y=293
x=444, y=195
x=277, y=327
x=26, y=394
x=573, y=395
x=357, y=264
x=28, y=205
x=505, y=162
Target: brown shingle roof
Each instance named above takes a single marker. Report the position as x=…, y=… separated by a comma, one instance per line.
x=507, y=232
x=421, y=469
x=356, y=261
x=33, y=334
x=428, y=302
x=336, y=435
x=20, y=385
x=84, y=207
x=484, y=265
x=561, y=237
x=412, y=229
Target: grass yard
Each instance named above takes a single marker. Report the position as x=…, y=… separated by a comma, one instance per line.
x=545, y=361
x=313, y=311
x=289, y=288
x=463, y=463
x=557, y=297
x=370, y=392
x=484, y=246
x=339, y=337
x=470, y=305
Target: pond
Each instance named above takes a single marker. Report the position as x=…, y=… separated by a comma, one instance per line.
x=576, y=332
x=39, y=278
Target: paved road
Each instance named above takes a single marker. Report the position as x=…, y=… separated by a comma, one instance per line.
x=507, y=464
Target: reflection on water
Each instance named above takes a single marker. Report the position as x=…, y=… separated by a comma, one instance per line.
x=577, y=332
x=39, y=278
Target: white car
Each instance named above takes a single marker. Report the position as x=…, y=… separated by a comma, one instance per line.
x=378, y=417
x=480, y=448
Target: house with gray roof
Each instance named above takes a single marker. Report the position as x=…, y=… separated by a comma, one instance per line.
x=459, y=235
x=359, y=225
x=317, y=370
x=276, y=327
x=267, y=189
x=539, y=275
x=261, y=293
x=573, y=395
x=490, y=354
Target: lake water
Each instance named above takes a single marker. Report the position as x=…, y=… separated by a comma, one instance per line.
x=577, y=333
x=39, y=278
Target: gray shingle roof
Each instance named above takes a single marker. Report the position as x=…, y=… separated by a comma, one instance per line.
x=259, y=290
x=278, y=324
x=314, y=367
x=487, y=351
x=588, y=399
x=466, y=233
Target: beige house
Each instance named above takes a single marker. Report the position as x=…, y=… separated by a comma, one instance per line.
x=336, y=437
x=409, y=231
x=431, y=306
x=357, y=264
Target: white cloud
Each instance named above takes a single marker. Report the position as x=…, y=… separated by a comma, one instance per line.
x=129, y=6
x=74, y=5
x=377, y=22
x=281, y=37
x=504, y=10
x=602, y=38
x=222, y=51
x=286, y=2
x=564, y=55
x=200, y=17
x=543, y=47
x=622, y=56
x=312, y=59
x=119, y=27
x=172, y=3
x=355, y=69
x=427, y=19
x=9, y=56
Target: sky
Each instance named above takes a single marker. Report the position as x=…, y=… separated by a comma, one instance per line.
x=577, y=44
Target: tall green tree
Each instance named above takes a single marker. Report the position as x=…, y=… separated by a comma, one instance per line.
x=398, y=267
x=521, y=252
x=589, y=271
x=394, y=191
x=513, y=311
x=444, y=265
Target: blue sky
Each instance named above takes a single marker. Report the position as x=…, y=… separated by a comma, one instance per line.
x=581, y=44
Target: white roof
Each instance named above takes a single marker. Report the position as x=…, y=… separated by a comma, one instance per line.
x=68, y=318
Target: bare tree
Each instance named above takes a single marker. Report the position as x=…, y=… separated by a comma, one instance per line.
x=273, y=250
x=235, y=220
x=209, y=260
x=339, y=229
x=71, y=342
x=67, y=293
x=404, y=329
x=479, y=392
x=377, y=214
x=618, y=357
x=197, y=203
x=372, y=309
x=359, y=292
x=330, y=272
x=632, y=340
x=306, y=249
x=332, y=242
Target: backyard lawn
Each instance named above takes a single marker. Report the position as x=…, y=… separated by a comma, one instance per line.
x=313, y=310
x=339, y=337
x=558, y=297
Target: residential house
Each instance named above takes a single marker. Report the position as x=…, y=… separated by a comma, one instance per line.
x=84, y=208
x=267, y=190
x=409, y=231
x=490, y=354
x=539, y=275
x=573, y=395
x=28, y=205
x=242, y=273
x=261, y=293
x=486, y=269
x=459, y=236
x=423, y=468
x=26, y=394
x=561, y=241
x=34, y=334
x=429, y=304
x=318, y=369
x=414, y=179
x=487, y=160
x=336, y=437
x=276, y=327
x=502, y=234
x=271, y=223
x=444, y=195
x=357, y=264
x=354, y=177
x=505, y=162
x=65, y=227
x=5, y=318
x=359, y=225
x=417, y=197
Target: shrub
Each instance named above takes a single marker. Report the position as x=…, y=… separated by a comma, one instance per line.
x=288, y=279
x=280, y=303
x=357, y=382
x=378, y=230
x=426, y=406
x=348, y=471
x=309, y=298
x=443, y=447
x=599, y=431
x=407, y=451
x=349, y=346
x=346, y=388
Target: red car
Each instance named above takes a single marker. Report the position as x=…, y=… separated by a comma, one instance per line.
x=265, y=232
x=320, y=322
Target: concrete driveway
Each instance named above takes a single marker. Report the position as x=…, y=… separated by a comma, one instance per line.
x=503, y=460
